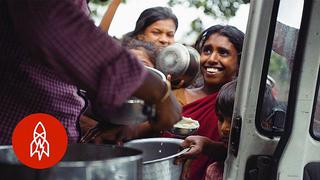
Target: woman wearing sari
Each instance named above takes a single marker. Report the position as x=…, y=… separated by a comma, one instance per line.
x=220, y=52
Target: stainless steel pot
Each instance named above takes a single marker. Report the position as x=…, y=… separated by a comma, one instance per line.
x=81, y=161
x=158, y=157
x=134, y=110
x=181, y=62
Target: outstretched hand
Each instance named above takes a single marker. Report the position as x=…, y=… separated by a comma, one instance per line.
x=197, y=144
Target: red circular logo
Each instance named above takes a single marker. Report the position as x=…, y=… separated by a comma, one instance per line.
x=39, y=141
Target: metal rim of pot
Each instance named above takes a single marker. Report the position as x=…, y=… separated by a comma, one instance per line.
x=160, y=140
x=159, y=73
x=85, y=163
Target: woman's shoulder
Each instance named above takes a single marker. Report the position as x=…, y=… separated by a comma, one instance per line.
x=180, y=95
x=186, y=95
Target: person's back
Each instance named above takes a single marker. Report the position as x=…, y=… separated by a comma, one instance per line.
x=30, y=87
x=51, y=48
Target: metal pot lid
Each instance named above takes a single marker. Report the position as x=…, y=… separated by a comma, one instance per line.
x=194, y=53
x=174, y=60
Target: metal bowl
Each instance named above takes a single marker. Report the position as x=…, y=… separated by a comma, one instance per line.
x=183, y=128
x=181, y=62
x=183, y=132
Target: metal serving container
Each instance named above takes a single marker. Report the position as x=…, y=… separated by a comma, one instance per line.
x=134, y=110
x=181, y=62
x=158, y=157
x=81, y=161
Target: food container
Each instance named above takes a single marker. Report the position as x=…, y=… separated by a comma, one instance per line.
x=81, y=161
x=185, y=127
x=181, y=62
x=134, y=110
x=158, y=157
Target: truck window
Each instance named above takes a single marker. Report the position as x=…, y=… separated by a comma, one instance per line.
x=280, y=64
x=315, y=126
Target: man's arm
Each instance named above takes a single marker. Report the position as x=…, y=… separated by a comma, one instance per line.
x=63, y=36
x=60, y=34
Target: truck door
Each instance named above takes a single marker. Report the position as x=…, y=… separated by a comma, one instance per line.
x=297, y=155
x=282, y=41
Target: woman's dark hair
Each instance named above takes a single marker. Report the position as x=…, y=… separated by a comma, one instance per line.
x=150, y=49
x=151, y=15
x=234, y=35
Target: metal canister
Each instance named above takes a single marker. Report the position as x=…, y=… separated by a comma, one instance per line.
x=181, y=62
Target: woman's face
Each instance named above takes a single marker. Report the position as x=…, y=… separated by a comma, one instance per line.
x=219, y=61
x=161, y=33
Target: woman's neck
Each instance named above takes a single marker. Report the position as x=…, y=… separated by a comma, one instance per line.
x=198, y=93
x=210, y=89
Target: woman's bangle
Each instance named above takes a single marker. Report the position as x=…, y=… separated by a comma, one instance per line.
x=168, y=89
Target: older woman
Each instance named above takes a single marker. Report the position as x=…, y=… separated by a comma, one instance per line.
x=157, y=25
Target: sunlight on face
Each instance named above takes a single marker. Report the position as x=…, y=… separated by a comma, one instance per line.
x=219, y=61
x=161, y=33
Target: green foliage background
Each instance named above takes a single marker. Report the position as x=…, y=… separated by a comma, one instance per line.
x=225, y=9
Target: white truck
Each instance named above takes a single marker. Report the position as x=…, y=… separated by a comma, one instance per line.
x=289, y=150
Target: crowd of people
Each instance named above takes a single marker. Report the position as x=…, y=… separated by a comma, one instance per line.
x=51, y=50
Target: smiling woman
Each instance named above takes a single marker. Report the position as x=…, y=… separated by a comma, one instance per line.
x=220, y=52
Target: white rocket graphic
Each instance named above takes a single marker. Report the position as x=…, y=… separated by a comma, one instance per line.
x=39, y=144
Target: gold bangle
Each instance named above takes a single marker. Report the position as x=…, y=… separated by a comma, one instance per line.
x=168, y=89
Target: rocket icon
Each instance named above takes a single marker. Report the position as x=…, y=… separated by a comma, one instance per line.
x=39, y=144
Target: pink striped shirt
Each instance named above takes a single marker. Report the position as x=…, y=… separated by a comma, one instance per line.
x=49, y=48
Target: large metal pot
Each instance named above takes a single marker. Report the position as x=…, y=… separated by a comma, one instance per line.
x=81, y=161
x=181, y=62
x=158, y=157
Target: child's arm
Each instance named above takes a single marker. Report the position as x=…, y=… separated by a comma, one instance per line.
x=203, y=145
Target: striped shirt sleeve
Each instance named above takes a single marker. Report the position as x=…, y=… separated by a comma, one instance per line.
x=59, y=33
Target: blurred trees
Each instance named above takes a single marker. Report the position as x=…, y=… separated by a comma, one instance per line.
x=279, y=70
x=223, y=9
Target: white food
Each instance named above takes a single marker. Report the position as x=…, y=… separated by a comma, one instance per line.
x=187, y=123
